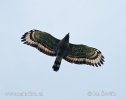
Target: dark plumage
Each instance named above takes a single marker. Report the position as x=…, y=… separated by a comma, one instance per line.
x=62, y=49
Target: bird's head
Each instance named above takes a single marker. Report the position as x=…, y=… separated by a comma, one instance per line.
x=66, y=38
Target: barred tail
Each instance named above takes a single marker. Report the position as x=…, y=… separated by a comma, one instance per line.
x=57, y=63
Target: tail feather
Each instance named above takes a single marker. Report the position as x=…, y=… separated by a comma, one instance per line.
x=57, y=63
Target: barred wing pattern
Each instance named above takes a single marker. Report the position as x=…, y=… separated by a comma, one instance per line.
x=82, y=54
x=43, y=41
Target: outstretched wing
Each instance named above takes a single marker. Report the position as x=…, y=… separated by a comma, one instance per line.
x=43, y=41
x=82, y=54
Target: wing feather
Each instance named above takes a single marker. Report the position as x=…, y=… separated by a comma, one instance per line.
x=82, y=54
x=43, y=41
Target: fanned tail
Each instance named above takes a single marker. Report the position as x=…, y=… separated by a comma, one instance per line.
x=57, y=63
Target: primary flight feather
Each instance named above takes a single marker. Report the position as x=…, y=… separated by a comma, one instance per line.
x=62, y=49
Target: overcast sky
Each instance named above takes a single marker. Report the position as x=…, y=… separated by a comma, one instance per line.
x=96, y=23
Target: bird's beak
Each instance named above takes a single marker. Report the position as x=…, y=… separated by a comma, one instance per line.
x=66, y=38
x=67, y=35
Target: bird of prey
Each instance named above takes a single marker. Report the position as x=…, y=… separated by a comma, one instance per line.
x=62, y=49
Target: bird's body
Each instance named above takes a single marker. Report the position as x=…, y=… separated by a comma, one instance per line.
x=62, y=49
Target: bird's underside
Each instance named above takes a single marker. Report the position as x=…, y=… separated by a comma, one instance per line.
x=77, y=54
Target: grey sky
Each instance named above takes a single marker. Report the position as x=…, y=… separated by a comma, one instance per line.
x=97, y=23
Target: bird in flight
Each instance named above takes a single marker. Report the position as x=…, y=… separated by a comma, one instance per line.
x=62, y=49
